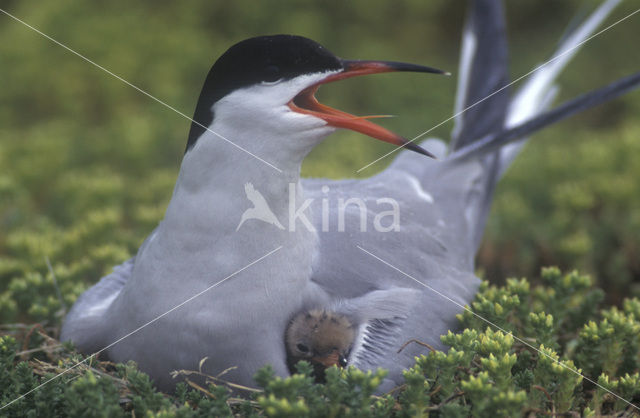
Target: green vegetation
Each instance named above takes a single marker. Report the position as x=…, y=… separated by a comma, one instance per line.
x=527, y=362
x=87, y=165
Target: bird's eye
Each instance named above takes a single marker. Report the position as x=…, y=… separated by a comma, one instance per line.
x=271, y=75
x=302, y=348
x=342, y=361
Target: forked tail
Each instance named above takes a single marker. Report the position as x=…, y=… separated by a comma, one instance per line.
x=491, y=125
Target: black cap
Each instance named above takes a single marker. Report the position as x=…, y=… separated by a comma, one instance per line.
x=254, y=60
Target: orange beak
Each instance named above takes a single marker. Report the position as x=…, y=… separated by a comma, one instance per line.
x=332, y=359
x=306, y=103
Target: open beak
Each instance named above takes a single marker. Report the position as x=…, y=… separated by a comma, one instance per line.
x=305, y=102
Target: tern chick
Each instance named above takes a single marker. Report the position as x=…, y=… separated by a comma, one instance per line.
x=320, y=337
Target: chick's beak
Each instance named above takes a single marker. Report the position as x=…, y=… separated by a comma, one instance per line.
x=305, y=102
x=332, y=359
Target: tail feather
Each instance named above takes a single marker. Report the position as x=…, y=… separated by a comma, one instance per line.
x=492, y=142
x=481, y=99
x=537, y=93
x=487, y=130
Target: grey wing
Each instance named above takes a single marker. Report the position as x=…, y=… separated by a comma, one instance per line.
x=426, y=254
x=85, y=325
x=394, y=302
x=380, y=315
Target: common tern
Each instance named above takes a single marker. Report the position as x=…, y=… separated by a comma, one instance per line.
x=259, y=96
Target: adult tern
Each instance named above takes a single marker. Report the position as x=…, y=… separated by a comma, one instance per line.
x=259, y=96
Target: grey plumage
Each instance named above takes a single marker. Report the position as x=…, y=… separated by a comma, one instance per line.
x=461, y=185
x=482, y=99
x=82, y=322
x=439, y=236
x=443, y=208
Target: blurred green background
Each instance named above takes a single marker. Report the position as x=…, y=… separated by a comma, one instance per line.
x=87, y=164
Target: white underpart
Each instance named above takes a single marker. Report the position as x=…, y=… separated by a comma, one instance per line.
x=198, y=244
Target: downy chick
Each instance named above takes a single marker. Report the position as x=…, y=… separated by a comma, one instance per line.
x=321, y=337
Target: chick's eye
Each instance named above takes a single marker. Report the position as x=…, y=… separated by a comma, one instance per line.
x=302, y=348
x=271, y=74
x=342, y=360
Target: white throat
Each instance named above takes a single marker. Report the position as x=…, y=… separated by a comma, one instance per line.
x=259, y=123
x=217, y=181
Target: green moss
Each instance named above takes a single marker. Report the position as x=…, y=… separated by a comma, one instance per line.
x=87, y=166
x=486, y=372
